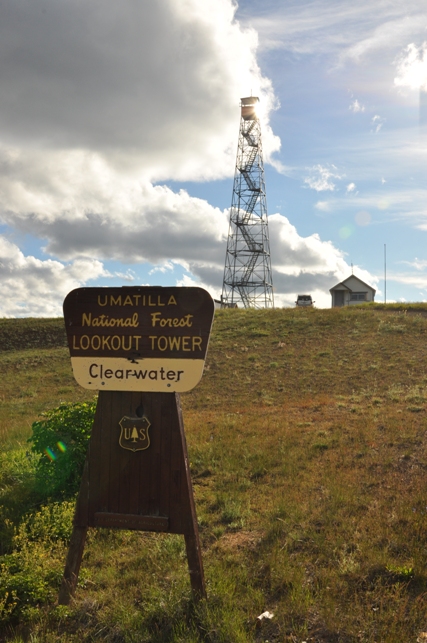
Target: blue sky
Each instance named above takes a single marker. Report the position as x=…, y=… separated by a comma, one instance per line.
x=118, y=136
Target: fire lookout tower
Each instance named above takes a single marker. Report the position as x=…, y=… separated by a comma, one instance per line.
x=247, y=273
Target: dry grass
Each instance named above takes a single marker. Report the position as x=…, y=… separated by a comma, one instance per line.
x=307, y=440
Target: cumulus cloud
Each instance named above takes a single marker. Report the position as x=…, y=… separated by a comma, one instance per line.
x=32, y=287
x=98, y=104
x=102, y=103
x=306, y=264
x=35, y=288
x=412, y=67
x=117, y=218
x=75, y=78
x=321, y=178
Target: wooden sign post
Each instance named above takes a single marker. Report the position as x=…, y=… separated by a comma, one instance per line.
x=140, y=347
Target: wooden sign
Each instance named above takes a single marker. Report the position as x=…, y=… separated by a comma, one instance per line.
x=139, y=346
x=138, y=338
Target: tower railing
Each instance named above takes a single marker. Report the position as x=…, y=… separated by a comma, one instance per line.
x=247, y=273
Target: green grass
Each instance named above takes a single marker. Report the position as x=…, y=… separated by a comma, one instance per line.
x=307, y=443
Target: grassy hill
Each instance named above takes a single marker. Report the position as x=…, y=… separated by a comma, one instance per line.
x=307, y=439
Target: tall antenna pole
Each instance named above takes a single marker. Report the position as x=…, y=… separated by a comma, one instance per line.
x=247, y=272
x=385, y=273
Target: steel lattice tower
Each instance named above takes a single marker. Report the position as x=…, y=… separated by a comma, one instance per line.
x=247, y=273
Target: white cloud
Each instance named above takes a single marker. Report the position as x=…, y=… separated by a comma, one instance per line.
x=344, y=28
x=412, y=67
x=414, y=280
x=166, y=266
x=356, y=107
x=129, y=275
x=406, y=204
x=306, y=264
x=75, y=80
x=101, y=104
x=418, y=264
x=351, y=187
x=35, y=288
x=377, y=122
x=32, y=287
x=112, y=217
x=98, y=103
x=384, y=32
x=323, y=206
x=321, y=178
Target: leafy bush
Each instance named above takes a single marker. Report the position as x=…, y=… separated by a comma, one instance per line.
x=17, y=496
x=61, y=440
x=30, y=575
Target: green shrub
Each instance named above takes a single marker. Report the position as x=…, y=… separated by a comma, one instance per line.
x=61, y=441
x=30, y=575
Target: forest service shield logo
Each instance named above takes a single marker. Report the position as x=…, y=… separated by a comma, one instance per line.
x=134, y=433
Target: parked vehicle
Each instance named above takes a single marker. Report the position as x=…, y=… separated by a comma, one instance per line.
x=304, y=300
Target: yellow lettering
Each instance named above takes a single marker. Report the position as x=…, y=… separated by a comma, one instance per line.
x=95, y=342
x=174, y=343
x=117, y=342
x=162, y=343
x=172, y=301
x=156, y=318
x=128, y=301
x=116, y=302
x=186, y=343
x=197, y=341
x=129, y=346
x=84, y=345
x=105, y=300
x=105, y=320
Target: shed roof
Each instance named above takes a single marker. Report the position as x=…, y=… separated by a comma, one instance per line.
x=342, y=284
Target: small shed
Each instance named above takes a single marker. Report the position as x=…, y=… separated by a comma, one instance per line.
x=351, y=291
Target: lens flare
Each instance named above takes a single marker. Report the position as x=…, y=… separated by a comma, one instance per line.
x=346, y=231
x=61, y=446
x=363, y=218
x=50, y=454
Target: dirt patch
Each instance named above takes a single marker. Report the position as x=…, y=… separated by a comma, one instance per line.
x=240, y=540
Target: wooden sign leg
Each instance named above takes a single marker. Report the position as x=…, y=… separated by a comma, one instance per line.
x=192, y=542
x=77, y=540
x=195, y=566
x=72, y=565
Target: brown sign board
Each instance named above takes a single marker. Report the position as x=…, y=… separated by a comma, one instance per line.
x=138, y=338
x=136, y=476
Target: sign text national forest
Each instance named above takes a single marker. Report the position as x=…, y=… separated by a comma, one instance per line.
x=138, y=338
